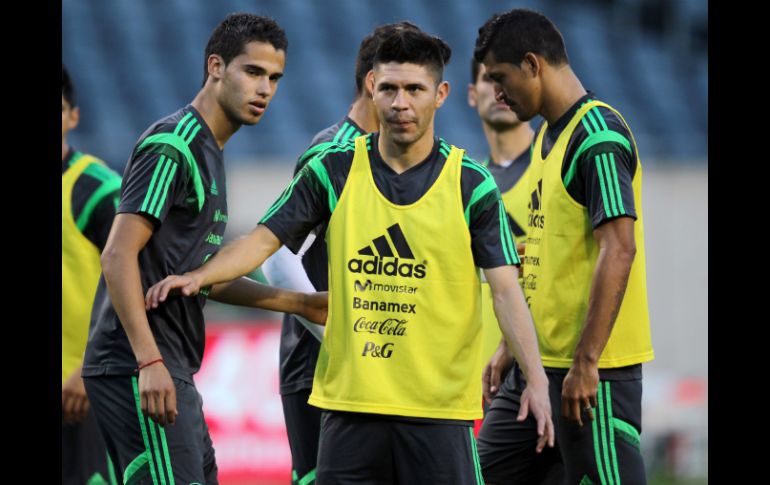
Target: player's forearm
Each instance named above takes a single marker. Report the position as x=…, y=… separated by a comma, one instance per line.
x=247, y=292
x=518, y=330
x=608, y=287
x=121, y=273
x=238, y=258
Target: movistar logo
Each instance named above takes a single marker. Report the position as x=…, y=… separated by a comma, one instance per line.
x=214, y=190
x=379, y=265
x=536, y=199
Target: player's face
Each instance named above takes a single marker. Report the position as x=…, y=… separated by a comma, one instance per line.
x=513, y=86
x=481, y=96
x=406, y=98
x=69, y=117
x=249, y=82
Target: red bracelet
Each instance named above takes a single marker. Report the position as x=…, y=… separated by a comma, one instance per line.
x=142, y=366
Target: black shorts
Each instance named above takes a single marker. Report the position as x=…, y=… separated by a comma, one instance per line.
x=375, y=449
x=605, y=450
x=83, y=454
x=144, y=452
x=507, y=446
x=303, y=426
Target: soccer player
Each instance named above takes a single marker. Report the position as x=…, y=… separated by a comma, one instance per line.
x=300, y=341
x=139, y=364
x=509, y=141
x=584, y=269
x=411, y=221
x=90, y=193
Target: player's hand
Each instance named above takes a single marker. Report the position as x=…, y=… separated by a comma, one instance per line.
x=74, y=402
x=187, y=285
x=535, y=399
x=316, y=307
x=578, y=394
x=494, y=371
x=158, y=394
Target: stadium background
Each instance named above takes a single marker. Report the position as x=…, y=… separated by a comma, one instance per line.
x=134, y=61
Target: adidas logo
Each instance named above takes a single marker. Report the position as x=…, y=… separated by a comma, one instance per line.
x=214, y=190
x=536, y=220
x=383, y=249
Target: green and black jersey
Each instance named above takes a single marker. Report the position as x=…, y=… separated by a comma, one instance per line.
x=175, y=178
x=299, y=348
x=95, y=198
x=589, y=185
x=506, y=174
x=304, y=203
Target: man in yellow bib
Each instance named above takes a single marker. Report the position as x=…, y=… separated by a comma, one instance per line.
x=90, y=192
x=411, y=219
x=584, y=269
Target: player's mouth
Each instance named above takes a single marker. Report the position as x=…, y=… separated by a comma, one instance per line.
x=257, y=107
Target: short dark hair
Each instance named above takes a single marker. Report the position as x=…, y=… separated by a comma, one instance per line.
x=230, y=37
x=475, y=67
x=509, y=36
x=67, y=88
x=368, y=47
x=416, y=47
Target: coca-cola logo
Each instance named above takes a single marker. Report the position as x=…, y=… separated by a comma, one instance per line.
x=389, y=326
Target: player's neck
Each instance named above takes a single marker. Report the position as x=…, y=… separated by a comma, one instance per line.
x=561, y=90
x=510, y=143
x=363, y=114
x=402, y=157
x=215, y=118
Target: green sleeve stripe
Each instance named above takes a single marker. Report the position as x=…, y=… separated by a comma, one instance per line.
x=593, y=140
x=599, y=116
x=323, y=176
x=165, y=190
x=187, y=129
x=509, y=233
x=503, y=239
x=177, y=142
x=443, y=152
x=601, y=183
x=610, y=422
x=611, y=187
x=591, y=118
x=616, y=181
x=182, y=123
x=135, y=382
x=159, y=187
x=485, y=187
x=192, y=135
x=588, y=128
x=155, y=174
x=283, y=198
x=479, y=168
x=348, y=134
x=311, y=152
x=342, y=129
x=97, y=196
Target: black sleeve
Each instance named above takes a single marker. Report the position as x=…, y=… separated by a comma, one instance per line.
x=152, y=184
x=98, y=227
x=307, y=201
x=492, y=241
x=603, y=182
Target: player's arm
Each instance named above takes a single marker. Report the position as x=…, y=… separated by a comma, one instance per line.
x=244, y=291
x=284, y=270
x=299, y=209
x=617, y=248
x=120, y=266
x=519, y=332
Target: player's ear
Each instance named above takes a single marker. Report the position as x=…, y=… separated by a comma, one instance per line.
x=216, y=66
x=441, y=93
x=369, y=83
